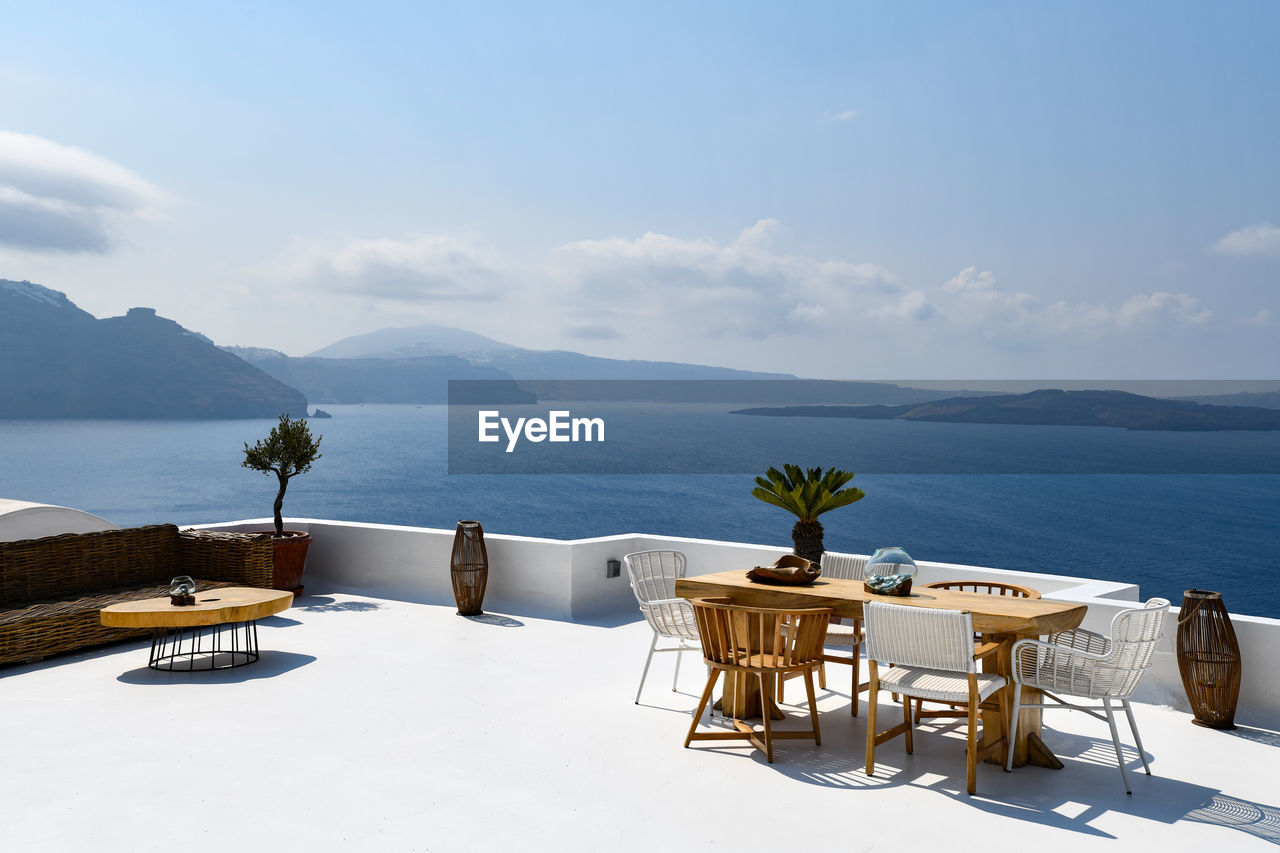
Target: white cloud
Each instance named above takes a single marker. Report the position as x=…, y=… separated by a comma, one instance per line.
x=972, y=298
x=846, y=115
x=700, y=299
x=1260, y=239
x=743, y=287
x=415, y=270
x=55, y=197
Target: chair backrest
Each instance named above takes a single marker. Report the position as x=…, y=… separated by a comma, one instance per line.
x=653, y=577
x=919, y=636
x=844, y=566
x=987, y=588
x=758, y=637
x=653, y=574
x=1134, y=635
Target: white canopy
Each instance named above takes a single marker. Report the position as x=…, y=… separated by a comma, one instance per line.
x=26, y=520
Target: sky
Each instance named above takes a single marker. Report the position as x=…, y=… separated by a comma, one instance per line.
x=845, y=190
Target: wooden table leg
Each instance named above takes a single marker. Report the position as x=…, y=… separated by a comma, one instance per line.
x=741, y=698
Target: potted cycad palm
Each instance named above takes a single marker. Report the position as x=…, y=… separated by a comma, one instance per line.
x=807, y=495
x=287, y=452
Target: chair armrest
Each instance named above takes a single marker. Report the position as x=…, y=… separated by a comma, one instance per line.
x=659, y=602
x=1082, y=640
x=1055, y=648
x=985, y=650
x=671, y=617
x=1056, y=667
x=244, y=558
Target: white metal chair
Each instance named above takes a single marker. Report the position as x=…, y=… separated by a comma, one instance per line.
x=1086, y=664
x=653, y=577
x=843, y=567
x=985, y=588
x=934, y=658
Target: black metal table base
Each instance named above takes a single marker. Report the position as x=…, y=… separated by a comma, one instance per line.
x=204, y=647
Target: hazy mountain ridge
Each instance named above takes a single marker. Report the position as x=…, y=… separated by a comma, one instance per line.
x=1257, y=399
x=1051, y=407
x=58, y=361
x=518, y=362
x=377, y=380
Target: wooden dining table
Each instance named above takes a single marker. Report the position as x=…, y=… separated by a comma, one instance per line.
x=999, y=618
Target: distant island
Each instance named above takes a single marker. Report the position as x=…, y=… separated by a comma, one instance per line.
x=1052, y=407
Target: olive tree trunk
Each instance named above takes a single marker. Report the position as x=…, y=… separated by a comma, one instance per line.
x=284, y=484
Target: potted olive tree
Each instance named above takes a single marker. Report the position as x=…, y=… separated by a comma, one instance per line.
x=287, y=452
x=807, y=495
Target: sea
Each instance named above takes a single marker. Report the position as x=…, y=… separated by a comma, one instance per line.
x=1167, y=511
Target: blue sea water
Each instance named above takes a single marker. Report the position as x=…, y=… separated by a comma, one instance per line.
x=388, y=464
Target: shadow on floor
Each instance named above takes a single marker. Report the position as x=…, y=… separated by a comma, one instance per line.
x=1262, y=736
x=271, y=664
x=1252, y=818
x=322, y=604
x=495, y=620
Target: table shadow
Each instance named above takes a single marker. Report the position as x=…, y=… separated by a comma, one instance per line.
x=269, y=665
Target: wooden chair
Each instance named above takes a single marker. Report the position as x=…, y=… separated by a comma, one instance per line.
x=844, y=567
x=653, y=576
x=986, y=588
x=934, y=658
x=754, y=642
x=1089, y=665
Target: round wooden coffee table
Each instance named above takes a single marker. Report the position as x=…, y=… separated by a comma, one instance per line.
x=219, y=631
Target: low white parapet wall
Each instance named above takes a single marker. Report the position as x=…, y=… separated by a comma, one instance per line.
x=566, y=579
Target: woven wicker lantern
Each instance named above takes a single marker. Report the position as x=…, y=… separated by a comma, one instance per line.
x=469, y=567
x=1208, y=659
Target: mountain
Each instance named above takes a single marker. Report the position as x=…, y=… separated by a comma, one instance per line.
x=379, y=380
x=410, y=342
x=431, y=339
x=1057, y=408
x=58, y=361
x=1259, y=399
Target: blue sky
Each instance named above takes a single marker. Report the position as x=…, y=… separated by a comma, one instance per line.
x=851, y=190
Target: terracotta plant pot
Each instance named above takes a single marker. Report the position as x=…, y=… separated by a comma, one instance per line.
x=289, y=558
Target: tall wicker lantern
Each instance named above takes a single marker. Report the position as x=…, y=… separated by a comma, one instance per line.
x=469, y=568
x=1208, y=659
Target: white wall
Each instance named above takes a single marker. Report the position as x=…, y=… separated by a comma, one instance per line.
x=565, y=579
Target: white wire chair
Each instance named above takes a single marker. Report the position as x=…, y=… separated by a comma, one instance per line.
x=653, y=576
x=844, y=567
x=1086, y=664
x=932, y=656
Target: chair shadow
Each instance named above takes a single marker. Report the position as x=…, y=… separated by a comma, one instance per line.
x=1251, y=818
x=1095, y=790
x=495, y=620
x=270, y=664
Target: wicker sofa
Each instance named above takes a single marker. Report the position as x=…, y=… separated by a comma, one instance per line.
x=51, y=589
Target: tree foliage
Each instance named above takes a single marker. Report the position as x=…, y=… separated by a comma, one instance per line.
x=806, y=494
x=288, y=451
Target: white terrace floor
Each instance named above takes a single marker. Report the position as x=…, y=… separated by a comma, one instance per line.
x=383, y=725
